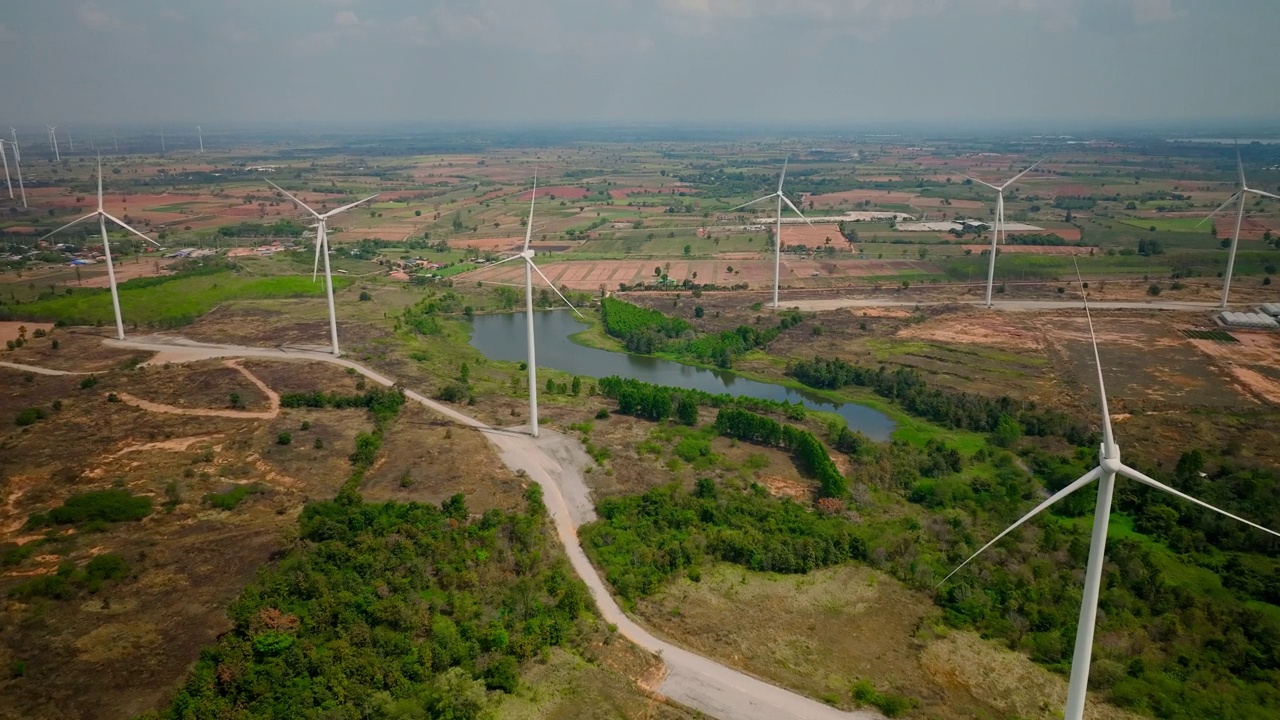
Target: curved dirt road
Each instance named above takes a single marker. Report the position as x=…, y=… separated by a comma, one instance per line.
x=691, y=680
x=272, y=397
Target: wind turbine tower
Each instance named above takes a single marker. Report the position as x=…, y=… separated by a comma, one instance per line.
x=1109, y=466
x=53, y=140
x=998, y=230
x=17, y=163
x=777, y=240
x=70, y=143
x=322, y=247
x=200, y=135
x=103, y=217
x=1241, y=195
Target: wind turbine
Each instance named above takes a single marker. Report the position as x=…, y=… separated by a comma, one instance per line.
x=53, y=140
x=200, y=134
x=529, y=269
x=777, y=242
x=1235, y=238
x=103, y=217
x=162, y=148
x=322, y=240
x=1109, y=465
x=998, y=228
x=17, y=162
x=71, y=143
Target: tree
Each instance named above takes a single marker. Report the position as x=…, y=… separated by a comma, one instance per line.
x=1007, y=431
x=698, y=311
x=365, y=296
x=687, y=411
x=688, y=250
x=576, y=387
x=657, y=271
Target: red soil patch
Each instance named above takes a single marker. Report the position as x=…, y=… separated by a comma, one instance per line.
x=561, y=192
x=1250, y=228
x=849, y=197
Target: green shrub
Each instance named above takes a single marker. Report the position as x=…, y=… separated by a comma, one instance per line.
x=103, y=505
x=284, y=438
x=453, y=392
x=89, y=382
x=30, y=416
x=230, y=499
x=602, y=414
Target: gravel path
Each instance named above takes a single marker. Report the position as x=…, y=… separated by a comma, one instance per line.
x=554, y=462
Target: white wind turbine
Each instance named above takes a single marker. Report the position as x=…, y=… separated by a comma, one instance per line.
x=777, y=241
x=1240, y=195
x=53, y=141
x=1109, y=465
x=17, y=163
x=998, y=229
x=70, y=143
x=322, y=241
x=529, y=269
x=200, y=135
x=103, y=217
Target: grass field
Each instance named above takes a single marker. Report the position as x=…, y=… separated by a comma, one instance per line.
x=169, y=304
x=1180, y=225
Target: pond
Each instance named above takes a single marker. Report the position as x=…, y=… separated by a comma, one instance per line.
x=502, y=337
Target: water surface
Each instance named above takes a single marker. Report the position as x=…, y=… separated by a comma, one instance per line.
x=502, y=337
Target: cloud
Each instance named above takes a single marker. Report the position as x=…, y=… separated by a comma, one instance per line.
x=92, y=16
x=1156, y=12
x=346, y=27
x=872, y=19
x=7, y=35
x=413, y=30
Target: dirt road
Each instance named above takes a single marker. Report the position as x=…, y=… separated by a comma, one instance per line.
x=272, y=396
x=554, y=462
x=39, y=370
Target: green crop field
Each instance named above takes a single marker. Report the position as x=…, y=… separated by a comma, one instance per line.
x=169, y=304
x=1179, y=225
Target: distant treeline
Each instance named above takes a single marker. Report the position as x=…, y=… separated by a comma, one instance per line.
x=279, y=229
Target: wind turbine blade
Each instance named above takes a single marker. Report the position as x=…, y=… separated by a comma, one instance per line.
x=1024, y=172
x=528, y=228
x=1264, y=193
x=504, y=260
x=296, y=200
x=753, y=202
x=345, y=208
x=1240, y=168
x=73, y=222
x=782, y=178
x=795, y=209
x=99, y=184
x=1087, y=478
x=1107, y=437
x=1132, y=474
x=1209, y=217
x=553, y=287
x=981, y=182
x=122, y=224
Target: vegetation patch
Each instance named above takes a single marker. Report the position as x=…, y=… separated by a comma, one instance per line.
x=440, y=609
x=106, y=506
x=641, y=541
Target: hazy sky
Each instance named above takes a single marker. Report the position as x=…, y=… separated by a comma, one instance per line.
x=807, y=62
